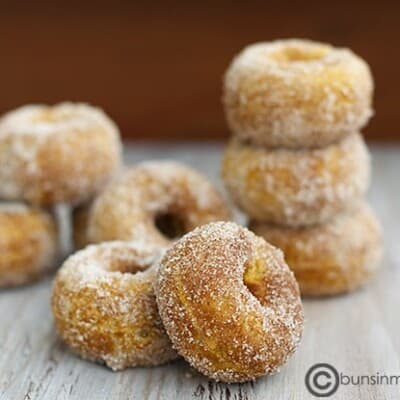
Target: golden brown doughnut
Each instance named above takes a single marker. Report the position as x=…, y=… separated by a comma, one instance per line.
x=332, y=258
x=52, y=154
x=104, y=306
x=229, y=303
x=155, y=201
x=297, y=93
x=28, y=243
x=297, y=187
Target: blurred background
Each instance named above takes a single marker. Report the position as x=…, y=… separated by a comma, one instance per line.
x=157, y=68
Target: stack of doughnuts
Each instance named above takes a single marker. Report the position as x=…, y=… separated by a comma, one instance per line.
x=297, y=164
x=48, y=155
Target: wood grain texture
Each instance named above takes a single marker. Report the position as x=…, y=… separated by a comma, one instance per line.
x=157, y=68
x=359, y=334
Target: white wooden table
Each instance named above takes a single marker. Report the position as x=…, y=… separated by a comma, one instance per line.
x=359, y=334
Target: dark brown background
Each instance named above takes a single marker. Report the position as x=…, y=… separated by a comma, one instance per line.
x=157, y=68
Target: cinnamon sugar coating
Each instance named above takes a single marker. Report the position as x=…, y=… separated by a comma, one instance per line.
x=152, y=192
x=336, y=257
x=229, y=302
x=104, y=306
x=61, y=153
x=297, y=187
x=28, y=243
x=297, y=93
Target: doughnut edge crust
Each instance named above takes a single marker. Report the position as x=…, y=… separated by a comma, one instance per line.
x=337, y=257
x=227, y=329
x=297, y=93
x=28, y=244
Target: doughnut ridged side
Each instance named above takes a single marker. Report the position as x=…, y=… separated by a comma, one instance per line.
x=297, y=93
x=297, y=187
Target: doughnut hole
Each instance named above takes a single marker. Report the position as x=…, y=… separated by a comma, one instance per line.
x=296, y=54
x=126, y=261
x=46, y=115
x=170, y=224
x=51, y=115
x=124, y=267
x=254, y=278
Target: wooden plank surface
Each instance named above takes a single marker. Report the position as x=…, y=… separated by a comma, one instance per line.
x=358, y=334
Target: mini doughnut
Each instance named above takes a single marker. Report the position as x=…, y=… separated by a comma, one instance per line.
x=155, y=201
x=297, y=93
x=28, y=243
x=332, y=258
x=229, y=303
x=297, y=187
x=52, y=154
x=104, y=306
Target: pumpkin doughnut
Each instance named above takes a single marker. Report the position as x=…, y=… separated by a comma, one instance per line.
x=297, y=93
x=229, y=303
x=155, y=201
x=28, y=243
x=332, y=258
x=297, y=187
x=104, y=306
x=52, y=154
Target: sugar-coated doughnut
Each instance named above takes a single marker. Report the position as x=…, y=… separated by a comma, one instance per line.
x=28, y=243
x=104, y=306
x=61, y=153
x=155, y=201
x=297, y=187
x=332, y=258
x=229, y=303
x=297, y=93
